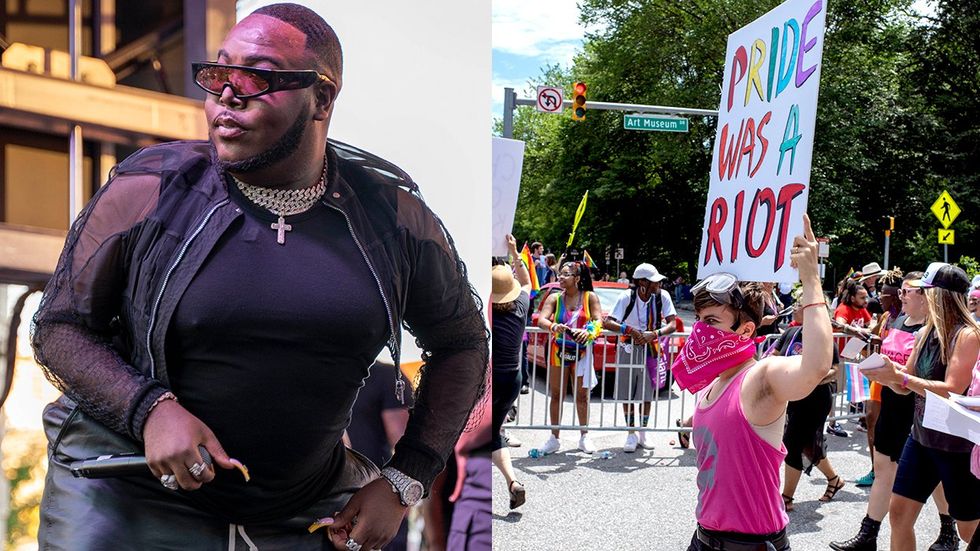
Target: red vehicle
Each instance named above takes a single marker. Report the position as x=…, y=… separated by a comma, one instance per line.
x=604, y=351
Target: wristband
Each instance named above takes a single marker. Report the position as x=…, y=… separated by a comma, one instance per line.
x=821, y=303
x=905, y=381
x=624, y=329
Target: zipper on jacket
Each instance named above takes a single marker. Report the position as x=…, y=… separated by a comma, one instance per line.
x=393, y=340
x=166, y=279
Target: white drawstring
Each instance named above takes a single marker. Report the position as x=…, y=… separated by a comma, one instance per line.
x=251, y=546
x=241, y=532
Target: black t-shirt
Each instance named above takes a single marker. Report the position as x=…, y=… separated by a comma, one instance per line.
x=264, y=349
x=508, y=332
x=790, y=343
x=367, y=431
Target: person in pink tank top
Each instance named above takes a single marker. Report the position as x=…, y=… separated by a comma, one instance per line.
x=738, y=426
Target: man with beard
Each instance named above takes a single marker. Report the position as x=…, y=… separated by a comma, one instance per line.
x=637, y=316
x=232, y=295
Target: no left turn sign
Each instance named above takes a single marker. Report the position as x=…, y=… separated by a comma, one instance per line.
x=549, y=99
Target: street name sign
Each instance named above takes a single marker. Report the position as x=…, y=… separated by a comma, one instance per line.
x=654, y=123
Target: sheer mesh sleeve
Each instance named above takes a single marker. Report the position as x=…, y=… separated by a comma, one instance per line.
x=445, y=315
x=73, y=328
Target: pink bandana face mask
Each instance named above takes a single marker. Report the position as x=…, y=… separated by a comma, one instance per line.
x=708, y=352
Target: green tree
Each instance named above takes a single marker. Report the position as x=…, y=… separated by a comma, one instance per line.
x=878, y=129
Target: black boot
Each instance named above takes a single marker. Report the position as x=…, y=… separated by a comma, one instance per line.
x=948, y=539
x=866, y=540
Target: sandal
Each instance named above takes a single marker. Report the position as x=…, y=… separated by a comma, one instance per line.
x=517, y=495
x=832, y=488
x=683, y=438
x=787, y=503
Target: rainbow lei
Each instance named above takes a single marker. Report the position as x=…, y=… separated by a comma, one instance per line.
x=593, y=329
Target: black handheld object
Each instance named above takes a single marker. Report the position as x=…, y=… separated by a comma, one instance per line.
x=126, y=464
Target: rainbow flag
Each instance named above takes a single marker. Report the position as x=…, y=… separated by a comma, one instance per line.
x=588, y=259
x=529, y=262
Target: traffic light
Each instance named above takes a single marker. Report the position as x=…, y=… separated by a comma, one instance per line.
x=889, y=222
x=578, y=101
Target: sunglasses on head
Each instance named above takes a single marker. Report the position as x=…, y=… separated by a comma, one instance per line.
x=250, y=82
x=723, y=287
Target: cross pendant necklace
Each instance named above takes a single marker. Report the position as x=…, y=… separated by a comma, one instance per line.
x=281, y=228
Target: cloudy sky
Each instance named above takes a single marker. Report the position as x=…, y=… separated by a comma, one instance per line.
x=528, y=36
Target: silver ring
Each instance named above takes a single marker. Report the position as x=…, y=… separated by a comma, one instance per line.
x=196, y=469
x=169, y=481
x=353, y=545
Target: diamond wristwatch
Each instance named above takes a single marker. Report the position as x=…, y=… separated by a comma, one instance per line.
x=408, y=489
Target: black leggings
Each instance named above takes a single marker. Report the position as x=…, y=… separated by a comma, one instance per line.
x=506, y=389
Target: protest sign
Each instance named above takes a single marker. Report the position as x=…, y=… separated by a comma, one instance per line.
x=508, y=159
x=760, y=168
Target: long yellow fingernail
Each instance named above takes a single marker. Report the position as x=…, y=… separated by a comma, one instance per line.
x=320, y=524
x=241, y=468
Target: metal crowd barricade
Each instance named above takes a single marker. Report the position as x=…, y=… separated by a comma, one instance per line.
x=537, y=409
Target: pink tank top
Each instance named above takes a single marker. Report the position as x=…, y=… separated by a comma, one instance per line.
x=738, y=471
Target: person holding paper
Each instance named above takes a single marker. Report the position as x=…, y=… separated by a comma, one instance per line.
x=941, y=361
x=895, y=421
x=738, y=426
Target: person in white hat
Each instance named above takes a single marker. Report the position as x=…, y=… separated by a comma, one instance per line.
x=870, y=274
x=642, y=317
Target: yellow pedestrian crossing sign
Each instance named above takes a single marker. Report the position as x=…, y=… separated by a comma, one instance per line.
x=945, y=209
x=946, y=237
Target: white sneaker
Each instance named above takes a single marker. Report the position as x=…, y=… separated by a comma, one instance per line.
x=585, y=444
x=646, y=440
x=551, y=446
x=630, y=445
x=511, y=441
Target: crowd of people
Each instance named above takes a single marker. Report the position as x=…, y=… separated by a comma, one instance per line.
x=777, y=404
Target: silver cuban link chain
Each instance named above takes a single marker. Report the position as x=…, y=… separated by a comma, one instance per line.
x=284, y=202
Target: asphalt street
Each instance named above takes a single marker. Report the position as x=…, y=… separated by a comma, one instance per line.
x=646, y=500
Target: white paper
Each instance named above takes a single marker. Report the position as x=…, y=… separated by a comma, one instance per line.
x=951, y=418
x=760, y=166
x=508, y=159
x=973, y=401
x=873, y=361
x=853, y=348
